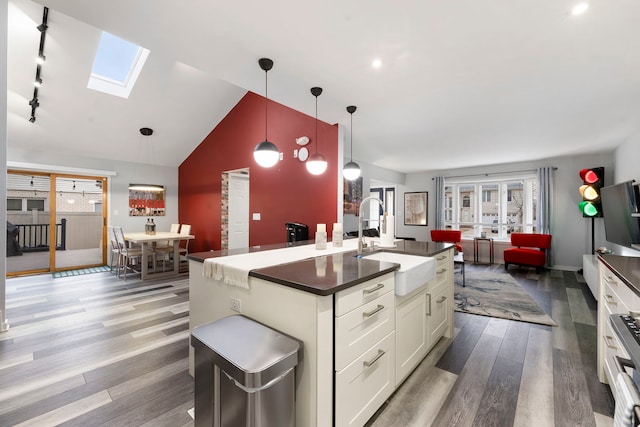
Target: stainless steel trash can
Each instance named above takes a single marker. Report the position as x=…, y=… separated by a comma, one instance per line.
x=244, y=374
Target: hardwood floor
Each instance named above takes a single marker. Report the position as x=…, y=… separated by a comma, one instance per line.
x=499, y=372
x=95, y=351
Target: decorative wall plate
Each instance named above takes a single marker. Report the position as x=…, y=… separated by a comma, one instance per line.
x=303, y=154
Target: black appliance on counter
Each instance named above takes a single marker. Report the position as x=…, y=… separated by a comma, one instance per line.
x=296, y=232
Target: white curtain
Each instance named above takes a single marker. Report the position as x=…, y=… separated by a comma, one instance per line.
x=439, y=181
x=545, y=206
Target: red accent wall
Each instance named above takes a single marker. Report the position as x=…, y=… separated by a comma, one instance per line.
x=283, y=193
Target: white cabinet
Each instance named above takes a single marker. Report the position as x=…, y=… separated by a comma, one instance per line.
x=615, y=297
x=365, y=384
x=364, y=350
x=590, y=273
x=411, y=335
x=423, y=317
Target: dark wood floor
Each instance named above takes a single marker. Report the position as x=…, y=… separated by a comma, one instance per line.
x=92, y=350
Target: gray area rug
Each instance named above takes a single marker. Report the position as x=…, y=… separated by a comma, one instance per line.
x=498, y=295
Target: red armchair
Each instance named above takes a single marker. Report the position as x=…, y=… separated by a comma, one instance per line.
x=530, y=250
x=448, y=236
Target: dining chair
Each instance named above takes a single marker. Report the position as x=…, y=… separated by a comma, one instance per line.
x=128, y=256
x=115, y=250
x=165, y=249
x=185, y=230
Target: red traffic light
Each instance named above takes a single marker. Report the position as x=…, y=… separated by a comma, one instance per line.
x=589, y=176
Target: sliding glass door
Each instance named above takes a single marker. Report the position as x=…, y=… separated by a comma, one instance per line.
x=54, y=222
x=79, y=222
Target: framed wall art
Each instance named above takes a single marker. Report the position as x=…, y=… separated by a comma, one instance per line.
x=415, y=208
x=146, y=200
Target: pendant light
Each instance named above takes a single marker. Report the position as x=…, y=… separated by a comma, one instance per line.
x=351, y=170
x=316, y=165
x=155, y=188
x=266, y=153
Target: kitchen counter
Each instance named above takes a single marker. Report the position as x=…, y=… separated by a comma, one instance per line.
x=328, y=274
x=626, y=268
x=310, y=298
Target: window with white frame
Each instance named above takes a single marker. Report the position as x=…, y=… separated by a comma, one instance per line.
x=496, y=205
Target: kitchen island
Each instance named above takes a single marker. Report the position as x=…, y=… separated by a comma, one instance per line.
x=344, y=310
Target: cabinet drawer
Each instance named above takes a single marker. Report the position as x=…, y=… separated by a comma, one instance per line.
x=612, y=301
x=437, y=319
x=612, y=347
x=363, y=293
x=443, y=257
x=359, y=329
x=364, y=385
x=615, y=287
x=442, y=274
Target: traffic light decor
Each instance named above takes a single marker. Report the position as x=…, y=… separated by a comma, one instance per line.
x=592, y=182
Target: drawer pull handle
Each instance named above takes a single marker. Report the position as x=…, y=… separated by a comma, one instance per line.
x=610, y=299
x=611, y=280
x=374, y=311
x=368, y=363
x=610, y=343
x=442, y=270
x=441, y=257
x=441, y=300
x=372, y=290
x=429, y=304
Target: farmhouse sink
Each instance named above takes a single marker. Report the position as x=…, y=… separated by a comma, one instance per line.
x=413, y=273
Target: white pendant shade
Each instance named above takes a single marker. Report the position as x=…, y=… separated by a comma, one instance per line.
x=351, y=171
x=316, y=165
x=266, y=154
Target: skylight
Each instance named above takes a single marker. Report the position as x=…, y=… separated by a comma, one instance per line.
x=117, y=65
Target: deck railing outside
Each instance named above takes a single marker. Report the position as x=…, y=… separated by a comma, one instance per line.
x=35, y=237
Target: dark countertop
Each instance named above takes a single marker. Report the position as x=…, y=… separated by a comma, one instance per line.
x=328, y=274
x=626, y=268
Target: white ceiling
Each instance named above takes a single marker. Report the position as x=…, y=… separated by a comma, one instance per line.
x=464, y=83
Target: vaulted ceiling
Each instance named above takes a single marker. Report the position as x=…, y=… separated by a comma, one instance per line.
x=463, y=83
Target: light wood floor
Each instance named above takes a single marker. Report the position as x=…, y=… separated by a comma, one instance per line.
x=92, y=350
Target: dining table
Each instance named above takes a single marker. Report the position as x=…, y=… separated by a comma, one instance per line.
x=148, y=242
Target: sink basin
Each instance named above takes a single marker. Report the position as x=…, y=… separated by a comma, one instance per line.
x=414, y=270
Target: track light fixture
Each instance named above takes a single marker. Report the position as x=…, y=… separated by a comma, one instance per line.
x=317, y=164
x=34, y=103
x=351, y=170
x=266, y=153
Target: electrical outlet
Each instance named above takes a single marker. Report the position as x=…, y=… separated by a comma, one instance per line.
x=235, y=304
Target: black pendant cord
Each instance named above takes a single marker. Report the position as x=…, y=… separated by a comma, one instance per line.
x=316, y=124
x=266, y=103
x=352, y=137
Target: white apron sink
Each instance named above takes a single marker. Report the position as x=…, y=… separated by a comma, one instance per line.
x=414, y=272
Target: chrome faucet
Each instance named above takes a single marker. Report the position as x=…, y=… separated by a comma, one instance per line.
x=361, y=243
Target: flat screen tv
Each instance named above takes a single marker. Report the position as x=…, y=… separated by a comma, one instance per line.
x=619, y=202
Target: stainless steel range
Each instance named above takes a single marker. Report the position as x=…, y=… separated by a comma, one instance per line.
x=627, y=329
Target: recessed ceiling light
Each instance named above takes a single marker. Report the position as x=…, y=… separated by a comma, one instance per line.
x=579, y=8
x=376, y=63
